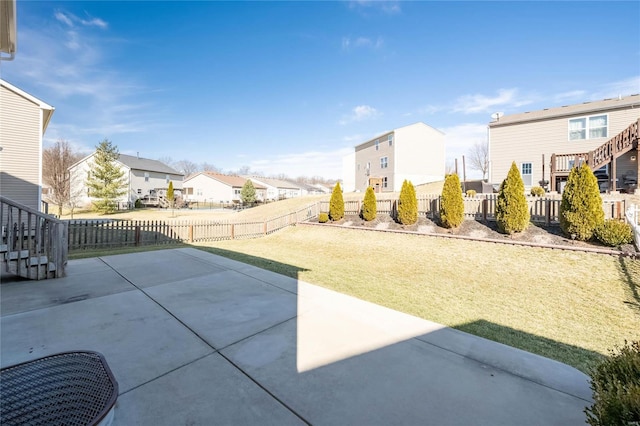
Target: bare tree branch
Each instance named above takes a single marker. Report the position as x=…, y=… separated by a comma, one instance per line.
x=56, y=161
x=479, y=157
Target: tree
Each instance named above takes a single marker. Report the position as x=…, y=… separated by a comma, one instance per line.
x=450, y=168
x=512, y=209
x=451, y=203
x=106, y=181
x=207, y=167
x=187, y=167
x=369, y=205
x=336, y=203
x=248, y=193
x=56, y=161
x=171, y=198
x=479, y=157
x=407, y=204
x=581, y=210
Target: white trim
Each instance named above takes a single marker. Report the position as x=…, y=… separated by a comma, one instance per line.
x=586, y=128
x=530, y=163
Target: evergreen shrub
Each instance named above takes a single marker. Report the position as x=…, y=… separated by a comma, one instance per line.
x=581, y=210
x=537, y=191
x=512, y=209
x=451, y=202
x=471, y=192
x=407, y=204
x=336, y=204
x=369, y=205
x=615, y=383
x=323, y=217
x=614, y=233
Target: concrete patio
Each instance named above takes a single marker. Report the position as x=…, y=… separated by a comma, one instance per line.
x=198, y=339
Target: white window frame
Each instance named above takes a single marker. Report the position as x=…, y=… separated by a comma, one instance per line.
x=146, y=176
x=384, y=162
x=377, y=143
x=390, y=138
x=385, y=182
x=166, y=178
x=530, y=174
x=587, y=128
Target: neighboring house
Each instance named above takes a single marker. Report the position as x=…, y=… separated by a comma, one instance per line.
x=277, y=189
x=217, y=188
x=309, y=189
x=529, y=139
x=23, y=121
x=415, y=152
x=144, y=177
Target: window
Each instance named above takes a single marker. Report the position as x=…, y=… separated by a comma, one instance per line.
x=139, y=191
x=199, y=191
x=166, y=178
x=592, y=127
x=377, y=144
x=526, y=173
x=236, y=192
x=146, y=177
x=384, y=182
x=383, y=162
x=390, y=140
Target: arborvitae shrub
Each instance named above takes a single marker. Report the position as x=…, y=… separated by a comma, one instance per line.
x=471, y=192
x=369, y=205
x=407, y=204
x=451, y=202
x=614, y=233
x=537, y=191
x=336, y=204
x=581, y=207
x=512, y=209
x=323, y=217
x=615, y=383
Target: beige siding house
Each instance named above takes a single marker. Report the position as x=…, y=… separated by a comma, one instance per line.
x=415, y=152
x=23, y=121
x=143, y=176
x=276, y=189
x=210, y=187
x=572, y=129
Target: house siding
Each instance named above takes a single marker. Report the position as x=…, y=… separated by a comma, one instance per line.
x=21, y=126
x=212, y=190
x=420, y=155
x=528, y=141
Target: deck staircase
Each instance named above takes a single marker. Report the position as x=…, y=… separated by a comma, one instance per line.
x=33, y=245
x=607, y=153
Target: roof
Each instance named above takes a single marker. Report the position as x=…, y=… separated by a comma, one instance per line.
x=278, y=183
x=47, y=110
x=622, y=102
x=140, y=163
x=231, y=180
x=419, y=123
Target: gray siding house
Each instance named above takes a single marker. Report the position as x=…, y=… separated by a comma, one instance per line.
x=23, y=121
x=568, y=131
x=415, y=152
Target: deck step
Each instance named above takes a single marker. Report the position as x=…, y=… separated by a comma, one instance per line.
x=14, y=255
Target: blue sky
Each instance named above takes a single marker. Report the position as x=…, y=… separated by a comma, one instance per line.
x=291, y=87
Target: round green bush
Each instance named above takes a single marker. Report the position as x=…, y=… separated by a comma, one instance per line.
x=581, y=207
x=615, y=383
x=614, y=233
x=512, y=209
x=471, y=192
x=537, y=191
x=323, y=217
x=336, y=204
x=369, y=205
x=407, y=204
x=451, y=202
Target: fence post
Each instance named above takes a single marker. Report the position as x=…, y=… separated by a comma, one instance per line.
x=233, y=231
x=264, y=228
x=485, y=208
x=137, y=234
x=191, y=233
x=547, y=213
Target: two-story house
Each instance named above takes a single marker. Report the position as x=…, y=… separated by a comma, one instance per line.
x=23, y=121
x=571, y=131
x=415, y=152
x=143, y=177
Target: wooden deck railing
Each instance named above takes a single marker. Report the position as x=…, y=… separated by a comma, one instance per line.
x=626, y=140
x=34, y=244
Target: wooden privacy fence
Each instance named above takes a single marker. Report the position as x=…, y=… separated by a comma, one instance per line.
x=96, y=234
x=481, y=207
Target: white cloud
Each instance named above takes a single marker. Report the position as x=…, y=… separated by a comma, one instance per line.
x=71, y=20
x=63, y=18
x=460, y=138
x=470, y=104
x=94, y=22
x=629, y=86
x=327, y=164
x=360, y=113
x=387, y=7
x=361, y=42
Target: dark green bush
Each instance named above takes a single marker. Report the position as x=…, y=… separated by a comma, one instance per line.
x=369, y=205
x=537, y=191
x=615, y=383
x=451, y=202
x=407, y=204
x=581, y=207
x=138, y=204
x=336, y=204
x=323, y=217
x=614, y=233
x=471, y=192
x=512, y=209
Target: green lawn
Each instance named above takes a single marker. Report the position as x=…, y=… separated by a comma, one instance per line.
x=568, y=306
